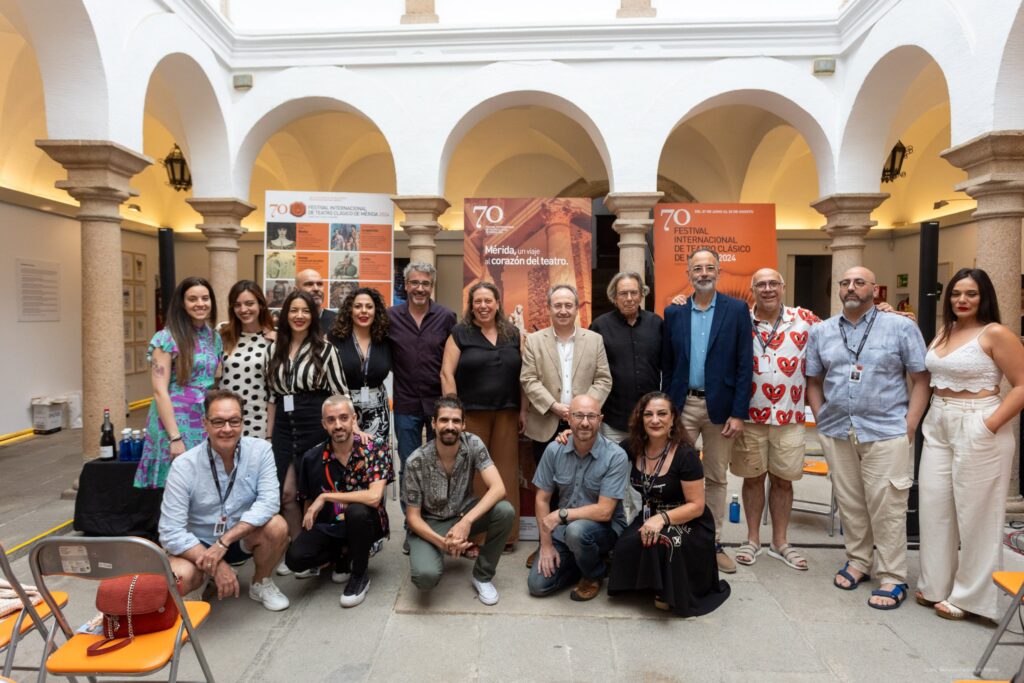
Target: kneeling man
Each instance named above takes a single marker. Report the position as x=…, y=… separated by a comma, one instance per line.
x=590, y=474
x=220, y=507
x=342, y=481
x=440, y=508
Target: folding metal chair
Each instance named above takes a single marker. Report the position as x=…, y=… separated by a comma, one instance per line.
x=30, y=617
x=109, y=558
x=816, y=468
x=1011, y=583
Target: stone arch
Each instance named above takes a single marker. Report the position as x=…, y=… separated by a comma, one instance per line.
x=1008, y=111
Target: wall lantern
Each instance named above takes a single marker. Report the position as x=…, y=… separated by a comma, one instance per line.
x=893, y=168
x=178, y=174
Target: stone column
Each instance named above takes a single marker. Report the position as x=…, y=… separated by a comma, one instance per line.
x=222, y=226
x=633, y=9
x=994, y=163
x=848, y=219
x=632, y=221
x=421, y=214
x=419, y=12
x=98, y=176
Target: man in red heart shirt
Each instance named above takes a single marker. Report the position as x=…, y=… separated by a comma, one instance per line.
x=772, y=441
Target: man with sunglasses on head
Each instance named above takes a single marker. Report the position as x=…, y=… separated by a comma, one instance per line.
x=857, y=364
x=220, y=507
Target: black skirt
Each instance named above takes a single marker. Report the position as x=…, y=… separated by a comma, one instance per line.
x=298, y=431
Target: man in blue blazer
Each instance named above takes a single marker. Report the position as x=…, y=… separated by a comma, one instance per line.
x=707, y=369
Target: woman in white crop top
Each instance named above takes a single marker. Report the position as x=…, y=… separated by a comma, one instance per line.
x=968, y=449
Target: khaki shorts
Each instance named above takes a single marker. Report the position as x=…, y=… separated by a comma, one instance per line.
x=777, y=449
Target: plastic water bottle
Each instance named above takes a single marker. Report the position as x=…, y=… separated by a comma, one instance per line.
x=136, y=445
x=734, y=509
x=124, y=448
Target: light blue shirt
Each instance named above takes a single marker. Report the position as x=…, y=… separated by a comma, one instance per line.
x=191, y=506
x=876, y=406
x=700, y=333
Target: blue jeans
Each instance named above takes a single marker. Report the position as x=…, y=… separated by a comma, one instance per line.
x=409, y=430
x=582, y=553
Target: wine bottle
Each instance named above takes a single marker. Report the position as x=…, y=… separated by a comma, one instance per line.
x=108, y=446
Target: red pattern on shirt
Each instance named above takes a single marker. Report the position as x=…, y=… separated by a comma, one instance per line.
x=777, y=393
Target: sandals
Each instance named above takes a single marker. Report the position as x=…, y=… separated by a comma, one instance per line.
x=747, y=553
x=948, y=610
x=897, y=594
x=790, y=556
x=923, y=601
x=849, y=577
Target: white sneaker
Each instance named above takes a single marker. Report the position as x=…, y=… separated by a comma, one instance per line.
x=269, y=594
x=308, y=573
x=355, y=590
x=486, y=592
x=282, y=569
x=340, y=577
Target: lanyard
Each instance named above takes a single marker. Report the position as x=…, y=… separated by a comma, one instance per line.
x=647, y=480
x=364, y=361
x=863, y=340
x=231, y=480
x=775, y=328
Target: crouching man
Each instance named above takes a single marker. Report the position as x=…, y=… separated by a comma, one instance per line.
x=220, y=507
x=441, y=511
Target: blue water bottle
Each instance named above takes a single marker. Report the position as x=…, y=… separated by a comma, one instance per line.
x=136, y=445
x=734, y=509
x=124, y=448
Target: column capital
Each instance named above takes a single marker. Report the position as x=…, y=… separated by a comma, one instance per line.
x=632, y=210
x=633, y=9
x=419, y=12
x=222, y=220
x=994, y=163
x=421, y=214
x=97, y=170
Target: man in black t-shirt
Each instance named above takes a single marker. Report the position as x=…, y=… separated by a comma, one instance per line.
x=342, y=482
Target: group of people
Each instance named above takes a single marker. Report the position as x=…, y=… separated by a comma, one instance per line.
x=615, y=414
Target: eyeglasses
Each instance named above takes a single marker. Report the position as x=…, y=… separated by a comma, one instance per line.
x=586, y=417
x=767, y=284
x=218, y=423
x=426, y=284
x=858, y=283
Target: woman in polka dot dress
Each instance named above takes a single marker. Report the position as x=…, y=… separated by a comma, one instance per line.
x=247, y=336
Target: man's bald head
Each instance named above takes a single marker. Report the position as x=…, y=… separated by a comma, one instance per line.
x=768, y=289
x=857, y=289
x=311, y=281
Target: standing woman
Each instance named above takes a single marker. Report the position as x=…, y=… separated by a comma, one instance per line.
x=360, y=334
x=481, y=364
x=183, y=358
x=670, y=546
x=247, y=336
x=302, y=372
x=968, y=449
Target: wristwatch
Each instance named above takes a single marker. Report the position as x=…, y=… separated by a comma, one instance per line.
x=563, y=516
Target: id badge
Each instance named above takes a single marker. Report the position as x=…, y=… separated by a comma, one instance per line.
x=289, y=403
x=364, y=395
x=855, y=373
x=220, y=527
x=647, y=512
x=764, y=364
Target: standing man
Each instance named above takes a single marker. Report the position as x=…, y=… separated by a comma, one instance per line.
x=590, y=475
x=342, y=482
x=857, y=364
x=772, y=442
x=313, y=282
x=440, y=507
x=632, y=341
x=419, y=330
x=220, y=507
x=707, y=370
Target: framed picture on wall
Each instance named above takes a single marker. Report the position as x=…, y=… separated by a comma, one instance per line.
x=140, y=358
x=129, y=360
x=127, y=300
x=126, y=265
x=140, y=328
x=139, y=295
x=139, y=267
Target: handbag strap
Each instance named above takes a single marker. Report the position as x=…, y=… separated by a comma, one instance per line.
x=107, y=646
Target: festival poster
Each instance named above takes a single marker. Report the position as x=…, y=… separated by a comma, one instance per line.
x=346, y=237
x=743, y=235
x=524, y=246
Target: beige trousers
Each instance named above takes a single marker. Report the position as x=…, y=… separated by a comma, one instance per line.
x=965, y=471
x=872, y=483
x=717, y=454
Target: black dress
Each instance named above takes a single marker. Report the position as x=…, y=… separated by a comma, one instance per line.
x=372, y=409
x=681, y=569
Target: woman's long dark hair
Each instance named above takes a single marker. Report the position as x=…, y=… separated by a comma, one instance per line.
x=179, y=322
x=506, y=330
x=378, y=328
x=233, y=330
x=988, y=304
x=638, y=436
x=284, y=335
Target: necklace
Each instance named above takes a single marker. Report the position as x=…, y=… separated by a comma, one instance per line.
x=647, y=480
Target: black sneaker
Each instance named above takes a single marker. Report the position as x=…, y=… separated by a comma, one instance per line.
x=355, y=590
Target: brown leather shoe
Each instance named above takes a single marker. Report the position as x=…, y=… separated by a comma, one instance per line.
x=531, y=559
x=586, y=589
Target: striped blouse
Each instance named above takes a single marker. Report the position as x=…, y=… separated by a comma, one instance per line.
x=299, y=375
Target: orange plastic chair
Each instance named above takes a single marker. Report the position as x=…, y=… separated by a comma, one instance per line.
x=29, y=618
x=108, y=558
x=1011, y=583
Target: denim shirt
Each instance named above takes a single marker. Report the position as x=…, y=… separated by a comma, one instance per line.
x=191, y=505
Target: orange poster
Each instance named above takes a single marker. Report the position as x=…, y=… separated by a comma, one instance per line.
x=743, y=236
x=525, y=246
x=317, y=260
x=311, y=236
x=375, y=237
x=374, y=268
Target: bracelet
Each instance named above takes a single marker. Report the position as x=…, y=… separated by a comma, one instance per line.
x=177, y=438
x=217, y=542
x=664, y=516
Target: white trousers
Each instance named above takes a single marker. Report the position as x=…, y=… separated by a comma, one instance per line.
x=965, y=470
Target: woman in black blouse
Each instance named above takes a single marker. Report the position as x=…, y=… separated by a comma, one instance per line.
x=360, y=334
x=481, y=364
x=302, y=372
x=670, y=546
